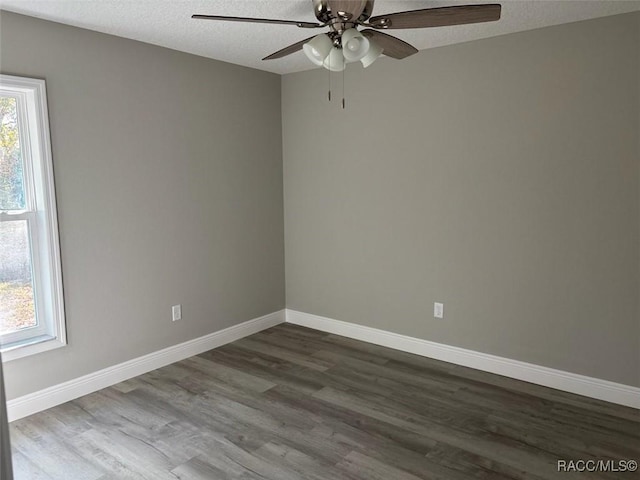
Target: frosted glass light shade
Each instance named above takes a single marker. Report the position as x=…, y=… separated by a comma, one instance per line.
x=335, y=60
x=374, y=52
x=318, y=48
x=354, y=45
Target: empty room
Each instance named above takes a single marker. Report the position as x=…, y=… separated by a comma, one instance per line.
x=319, y=239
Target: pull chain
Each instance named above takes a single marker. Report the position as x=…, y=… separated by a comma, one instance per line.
x=329, y=78
x=343, y=74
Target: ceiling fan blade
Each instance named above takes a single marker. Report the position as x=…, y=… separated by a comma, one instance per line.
x=392, y=47
x=438, y=17
x=288, y=50
x=258, y=20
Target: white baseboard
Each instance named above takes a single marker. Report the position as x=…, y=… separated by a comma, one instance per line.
x=548, y=377
x=50, y=397
x=569, y=382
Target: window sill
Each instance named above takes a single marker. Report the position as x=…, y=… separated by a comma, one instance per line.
x=25, y=348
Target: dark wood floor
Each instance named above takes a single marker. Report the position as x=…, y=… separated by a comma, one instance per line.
x=291, y=403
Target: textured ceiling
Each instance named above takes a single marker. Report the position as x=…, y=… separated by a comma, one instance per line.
x=168, y=23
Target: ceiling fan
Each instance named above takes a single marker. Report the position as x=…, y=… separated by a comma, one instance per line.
x=345, y=43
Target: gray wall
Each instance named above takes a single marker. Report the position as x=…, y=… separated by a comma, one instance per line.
x=500, y=177
x=168, y=171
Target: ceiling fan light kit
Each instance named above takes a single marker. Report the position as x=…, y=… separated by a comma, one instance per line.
x=318, y=48
x=333, y=55
x=345, y=43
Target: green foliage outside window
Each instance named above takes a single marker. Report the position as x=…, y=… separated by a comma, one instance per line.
x=11, y=187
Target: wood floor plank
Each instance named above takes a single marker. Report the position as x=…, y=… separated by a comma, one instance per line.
x=505, y=452
x=364, y=433
x=304, y=465
x=281, y=372
x=27, y=468
x=232, y=376
x=127, y=454
x=370, y=468
x=549, y=435
x=46, y=451
x=244, y=419
x=291, y=403
x=198, y=468
x=292, y=340
x=284, y=354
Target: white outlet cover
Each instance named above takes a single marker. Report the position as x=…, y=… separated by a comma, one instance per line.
x=438, y=310
x=176, y=312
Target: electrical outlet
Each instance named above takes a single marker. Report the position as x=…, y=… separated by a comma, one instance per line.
x=176, y=312
x=438, y=310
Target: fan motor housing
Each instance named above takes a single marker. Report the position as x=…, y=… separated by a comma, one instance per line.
x=339, y=11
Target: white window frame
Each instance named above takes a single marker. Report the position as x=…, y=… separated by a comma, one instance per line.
x=41, y=217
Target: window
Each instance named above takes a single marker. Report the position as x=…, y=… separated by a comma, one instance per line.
x=31, y=303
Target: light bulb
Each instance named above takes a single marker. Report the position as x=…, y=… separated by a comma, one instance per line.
x=354, y=44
